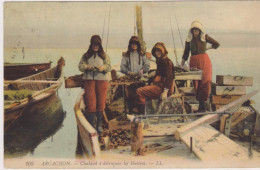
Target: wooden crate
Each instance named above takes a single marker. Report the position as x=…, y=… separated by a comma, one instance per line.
x=234, y=80
x=224, y=99
x=187, y=90
x=228, y=90
x=114, y=124
x=216, y=106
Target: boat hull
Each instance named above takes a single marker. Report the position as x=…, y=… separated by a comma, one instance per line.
x=38, y=122
x=16, y=71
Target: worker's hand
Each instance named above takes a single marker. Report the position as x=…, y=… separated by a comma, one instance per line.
x=101, y=68
x=164, y=94
x=183, y=62
x=210, y=47
x=89, y=67
x=130, y=73
x=157, y=79
x=141, y=72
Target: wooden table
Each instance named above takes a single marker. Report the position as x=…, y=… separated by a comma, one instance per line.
x=124, y=84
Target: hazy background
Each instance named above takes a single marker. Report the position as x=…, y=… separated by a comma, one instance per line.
x=71, y=24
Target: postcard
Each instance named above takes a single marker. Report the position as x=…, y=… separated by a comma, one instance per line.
x=131, y=85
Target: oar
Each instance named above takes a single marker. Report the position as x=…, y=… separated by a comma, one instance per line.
x=30, y=81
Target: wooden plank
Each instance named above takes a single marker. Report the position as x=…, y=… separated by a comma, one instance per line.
x=42, y=78
x=36, y=85
x=216, y=106
x=234, y=80
x=123, y=83
x=187, y=90
x=208, y=119
x=53, y=72
x=105, y=116
x=115, y=124
x=48, y=74
x=188, y=77
x=161, y=129
x=35, y=88
x=32, y=87
x=40, y=85
x=223, y=99
x=136, y=136
x=228, y=90
x=30, y=81
x=209, y=144
x=257, y=122
x=242, y=113
x=88, y=134
x=236, y=117
x=222, y=123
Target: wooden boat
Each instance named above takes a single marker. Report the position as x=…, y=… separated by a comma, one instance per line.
x=89, y=138
x=13, y=71
x=184, y=130
x=40, y=87
x=38, y=122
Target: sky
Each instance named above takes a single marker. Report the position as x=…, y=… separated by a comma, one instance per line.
x=71, y=24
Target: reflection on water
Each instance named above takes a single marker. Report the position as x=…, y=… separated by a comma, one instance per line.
x=38, y=122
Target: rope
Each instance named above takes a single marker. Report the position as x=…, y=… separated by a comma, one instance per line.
x=104, y=23
x=179, y=115
x=108, y=25
x=134, y=23
x=178, y=29
x=175, y=52
x=172, y=33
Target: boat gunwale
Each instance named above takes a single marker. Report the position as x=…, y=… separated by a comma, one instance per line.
x=24, y=64
x=89, y=131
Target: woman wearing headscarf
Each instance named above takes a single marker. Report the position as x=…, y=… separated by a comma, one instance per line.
x=196, y=44
x=134, y=61
x=162, y=86
x=95, y=64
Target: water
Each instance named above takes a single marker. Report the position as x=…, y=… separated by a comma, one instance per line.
x=62, y=143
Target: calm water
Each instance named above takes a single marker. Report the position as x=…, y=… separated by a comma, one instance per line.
x=62, y=140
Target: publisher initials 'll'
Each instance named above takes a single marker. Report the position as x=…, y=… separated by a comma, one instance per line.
x=29, y=163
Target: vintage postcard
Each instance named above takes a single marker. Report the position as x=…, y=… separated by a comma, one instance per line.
x=122, y=85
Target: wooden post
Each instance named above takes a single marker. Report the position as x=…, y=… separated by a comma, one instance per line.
x=107, y=142
x=139, y=24
x=188, y=83
x=257, y=122
x=136, y=136
x=190, y=144
x=105, y=116
x=222, y=123
x=256, y=136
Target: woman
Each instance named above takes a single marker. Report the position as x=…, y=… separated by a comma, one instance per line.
x=134, y=61
x=196, y=43
x=95, y=65
x=162, y=81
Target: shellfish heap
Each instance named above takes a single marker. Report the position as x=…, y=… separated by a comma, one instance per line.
x=117, y=138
